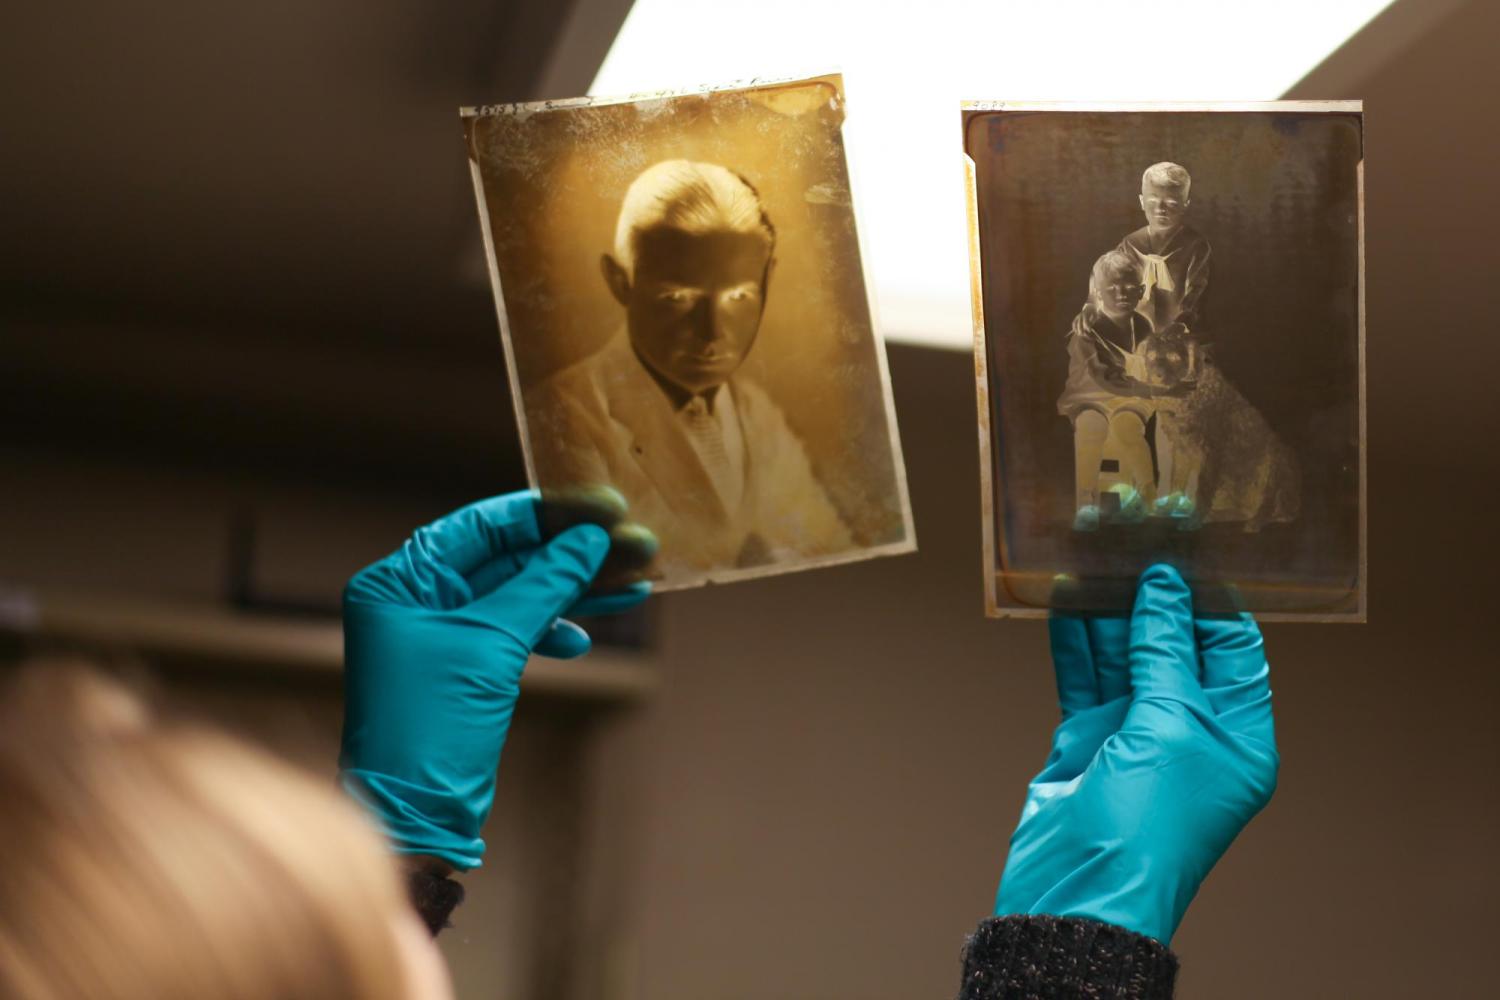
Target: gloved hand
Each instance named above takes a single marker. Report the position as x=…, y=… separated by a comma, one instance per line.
x=435, y=638
x=1165, y=751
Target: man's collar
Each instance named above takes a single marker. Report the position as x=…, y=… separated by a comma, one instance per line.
x=1166, y=240
x=676, y=394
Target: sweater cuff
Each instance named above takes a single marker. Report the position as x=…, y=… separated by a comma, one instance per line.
x=1038, y=957
x=434, y=897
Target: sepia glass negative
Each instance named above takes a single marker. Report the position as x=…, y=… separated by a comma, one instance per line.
x=1169, y=344
x=687, y=320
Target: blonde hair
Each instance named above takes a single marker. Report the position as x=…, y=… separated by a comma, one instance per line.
x=143, y=859
x=1107, y=266
x=689, y=196
x=1167, y=174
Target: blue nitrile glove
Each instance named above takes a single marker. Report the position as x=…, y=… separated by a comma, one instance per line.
x=1165, y=751
x=435, y=638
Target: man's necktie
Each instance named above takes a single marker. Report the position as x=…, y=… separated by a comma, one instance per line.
x=708, y=441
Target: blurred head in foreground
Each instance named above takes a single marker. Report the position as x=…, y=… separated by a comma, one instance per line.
x=147, y=859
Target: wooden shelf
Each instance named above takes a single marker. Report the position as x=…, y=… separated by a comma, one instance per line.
x=215, y=634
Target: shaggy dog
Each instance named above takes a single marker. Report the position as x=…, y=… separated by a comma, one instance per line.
x=1227, y=460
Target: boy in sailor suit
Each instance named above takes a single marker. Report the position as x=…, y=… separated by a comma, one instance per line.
x=1173, y=258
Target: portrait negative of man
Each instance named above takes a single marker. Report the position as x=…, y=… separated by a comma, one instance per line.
x=1172, y=337
x=687, y=322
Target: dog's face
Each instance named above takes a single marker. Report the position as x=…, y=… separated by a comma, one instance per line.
x=1166, y=356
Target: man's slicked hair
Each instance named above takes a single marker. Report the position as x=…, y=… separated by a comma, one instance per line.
x=1169, y=175
x=691, y=197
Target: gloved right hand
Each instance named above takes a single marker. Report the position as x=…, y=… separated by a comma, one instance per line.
x=435, y=638
x=1166, y=749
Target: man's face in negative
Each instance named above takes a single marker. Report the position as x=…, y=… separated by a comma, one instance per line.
x=694, y=303
x=1164, y=205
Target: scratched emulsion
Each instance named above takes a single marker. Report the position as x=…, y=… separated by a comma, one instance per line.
x=553, y=180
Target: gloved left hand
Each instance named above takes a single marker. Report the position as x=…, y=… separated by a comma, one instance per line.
x=1165, y=750
x=435, y=638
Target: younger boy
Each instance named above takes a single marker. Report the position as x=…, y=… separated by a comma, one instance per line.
x=1106, y=395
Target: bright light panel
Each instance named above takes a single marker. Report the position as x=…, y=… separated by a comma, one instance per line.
x=907, y=65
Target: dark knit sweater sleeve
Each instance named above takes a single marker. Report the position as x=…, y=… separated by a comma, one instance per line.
x=434, y=897
x=1064, y=958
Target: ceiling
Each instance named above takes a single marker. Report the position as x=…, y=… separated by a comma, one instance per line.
x=292, y=162
x=225, y=221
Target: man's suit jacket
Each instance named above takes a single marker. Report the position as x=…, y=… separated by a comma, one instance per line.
x=607, y=420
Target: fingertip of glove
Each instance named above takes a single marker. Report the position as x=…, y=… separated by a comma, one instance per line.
x=608, y=497
x=1163, y=575
x=564, y=640
x=637, y=537
x=1162, y=589
x=597, y=504
x=639, y=589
